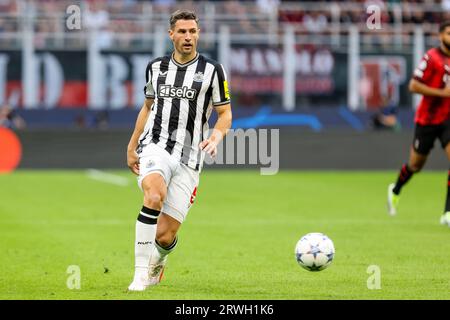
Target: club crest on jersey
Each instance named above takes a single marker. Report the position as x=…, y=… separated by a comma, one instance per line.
x=167, y=91
x=198, y=77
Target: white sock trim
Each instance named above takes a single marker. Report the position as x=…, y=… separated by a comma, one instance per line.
x=149, y=215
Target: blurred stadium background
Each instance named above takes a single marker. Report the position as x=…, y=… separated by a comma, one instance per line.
x=329, y=70
x=330, y=75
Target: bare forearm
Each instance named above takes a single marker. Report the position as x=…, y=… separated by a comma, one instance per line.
x=139, y=126
x=420, y=88
x=222, y=126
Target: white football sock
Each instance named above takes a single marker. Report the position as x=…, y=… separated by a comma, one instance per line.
x=164, y=251
x=145, y=237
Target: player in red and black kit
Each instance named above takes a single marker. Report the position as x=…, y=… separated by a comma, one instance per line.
x=432, y=80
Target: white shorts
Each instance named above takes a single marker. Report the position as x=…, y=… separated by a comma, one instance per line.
x=181, y=181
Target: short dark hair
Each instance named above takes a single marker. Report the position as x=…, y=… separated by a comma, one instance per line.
x=182, y=15
x=444, y=25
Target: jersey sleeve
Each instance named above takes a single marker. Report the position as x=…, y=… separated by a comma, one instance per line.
x=149, y=92
x=220, y=92
x=425, y=70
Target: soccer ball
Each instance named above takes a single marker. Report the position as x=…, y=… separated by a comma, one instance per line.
x=314, y=251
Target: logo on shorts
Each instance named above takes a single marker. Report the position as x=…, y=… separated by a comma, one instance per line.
x=416, y=144
x=194, y=194
x=150, y=164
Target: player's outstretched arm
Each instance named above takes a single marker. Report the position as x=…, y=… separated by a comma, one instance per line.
x=221, y=128
x=416, y=86
x=132, y=157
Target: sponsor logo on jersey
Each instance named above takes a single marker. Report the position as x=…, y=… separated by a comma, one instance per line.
x=163, y=74
x=167, y=91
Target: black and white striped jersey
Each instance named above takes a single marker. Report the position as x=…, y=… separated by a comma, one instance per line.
x=185, y=95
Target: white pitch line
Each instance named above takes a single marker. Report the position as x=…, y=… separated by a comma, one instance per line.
x=107, y=177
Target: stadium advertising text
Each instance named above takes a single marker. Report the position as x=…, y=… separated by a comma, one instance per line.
x=63, y=77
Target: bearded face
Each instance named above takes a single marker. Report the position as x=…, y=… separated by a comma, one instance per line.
x=444, y=36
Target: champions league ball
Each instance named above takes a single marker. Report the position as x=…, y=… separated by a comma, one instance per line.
x=314, y=251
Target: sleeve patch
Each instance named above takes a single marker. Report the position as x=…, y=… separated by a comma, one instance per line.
x=418, y=73
x=226, y=90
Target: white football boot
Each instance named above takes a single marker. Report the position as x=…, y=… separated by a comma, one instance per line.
x=392, y=200
x=140, y=281
x=156, y=267
x=445, y=219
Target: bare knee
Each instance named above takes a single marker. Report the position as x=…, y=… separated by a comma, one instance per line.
x=166, y=238
x=153, y=199
x=154, y=190
x=416, y=161
x=166, y=230
x=415, y=167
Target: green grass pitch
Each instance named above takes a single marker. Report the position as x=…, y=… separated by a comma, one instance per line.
x=237, y=243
